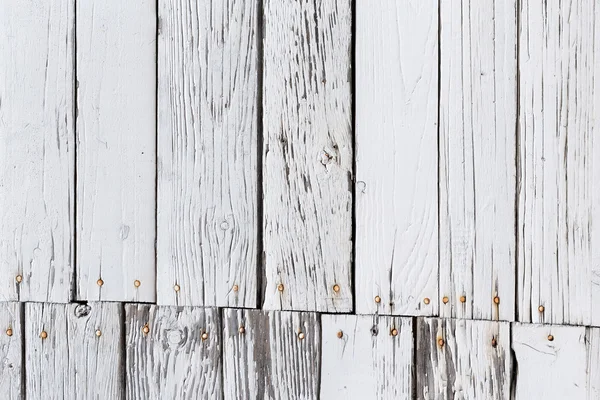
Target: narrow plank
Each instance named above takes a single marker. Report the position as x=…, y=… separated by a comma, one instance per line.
x=478, y=108
x=463, y=359
x=272, y=355
x=36, y=149
x=397, y=157
x=559, y=200
x=81, y=355
x=366, y=357
x=178, y=357
x=207, y=148
x=11, y=351
x=307, y=150
x=116, y=149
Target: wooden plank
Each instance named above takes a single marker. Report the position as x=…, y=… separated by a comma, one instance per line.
x=397, y=157
x=178, y=357
x=36, y=149
x=478, y=107
x=207, y=148
x=116, y=149
x=81, y=355
x=559, y=200
x=463, y=359
x=272, y=355
x=366, y=357
x=11, y=351
x=307, y=150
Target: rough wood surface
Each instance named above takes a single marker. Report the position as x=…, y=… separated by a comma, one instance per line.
x=308, y=147
x=396, y=156
x=11, y=351
x=472, y=362
x=559, y=200
x=276, y=357
x=478, y=107
x=116, y=149
x=207, y=139
x=36, y=149
x=362, y=359
x=173, y=360
x=73, y=362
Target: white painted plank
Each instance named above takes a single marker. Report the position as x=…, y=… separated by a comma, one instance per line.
x=274, y=356
x=81, y=356
x=11, y=351
x=207, y=147
x=36, y=149
x=559, y=197
x=396, y=156
x=116, y=149
x=308, y=147
x=366, y=357
x=173, y=360
x=478, y=107
x=463, y=359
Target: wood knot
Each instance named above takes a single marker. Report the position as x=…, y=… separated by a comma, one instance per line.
x=82, y=310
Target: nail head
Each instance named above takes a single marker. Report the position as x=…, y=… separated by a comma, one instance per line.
x=496, y=300
x=394, y=332
x=100, y=282
x=9, y=332
x=340, y=334
x=235, y=288
x=98, y=332
x=441, y=342
x=550, y=338
x=176, y=288
x=204, y=336
x=426, y=300
x=463, y=299
x=44, y=334
x=280, y=287
x=494, y=342
x=377, y=299
x=336, y=288
x=137, y=283
x=19, y=278
x=445, y=300
x=146, y=329
x=242, y=330
x=541, y=308
x=301, y=335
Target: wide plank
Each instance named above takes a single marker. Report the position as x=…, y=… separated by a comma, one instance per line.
x=11, y=351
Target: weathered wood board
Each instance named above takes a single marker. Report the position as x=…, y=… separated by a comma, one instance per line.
x=116, y=150
x=271, y=355
x=478, y=107
x=11, y=351
x=74, y=351
x=173, y=352
x=397, y=157
x=559, y=197
x=463, y=359
x=366, y=357
x=36, y=149
x=207, y=153
x=307, y=155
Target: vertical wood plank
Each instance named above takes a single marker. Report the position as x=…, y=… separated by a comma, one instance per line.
x=173, y=359
x=207, y=148
x=559, y=201
x=73, y=362
x=36, y=149
x=366, y=357
x=116, y=149
x=478, y=107
x=307, y=150
x=463, y=359
x=275, y=356
x=396, y=156
x=11, y=351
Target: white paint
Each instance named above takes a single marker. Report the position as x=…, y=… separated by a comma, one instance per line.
x=11, y=351
x=396, y=156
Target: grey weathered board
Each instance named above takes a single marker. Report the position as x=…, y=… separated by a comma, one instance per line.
x=307, y=155
x=366, y=357
x=478, y=107
x=116, y=149
x=173, y=360
x=36, y=149
x=11, y=350
x=275, y=356
x=207, y=152
x=463, y=359
x=82, y=355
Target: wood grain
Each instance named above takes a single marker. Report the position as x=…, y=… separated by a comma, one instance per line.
x=276, y=357
x=367, y=361
x=116, y=149
x=11, y=351
x=478, y=107
x=559, y=201
x=36, y=149
x=173, y=360
x=307, y=155
x=462, y=359
x=73, y=362
x=207, y=147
